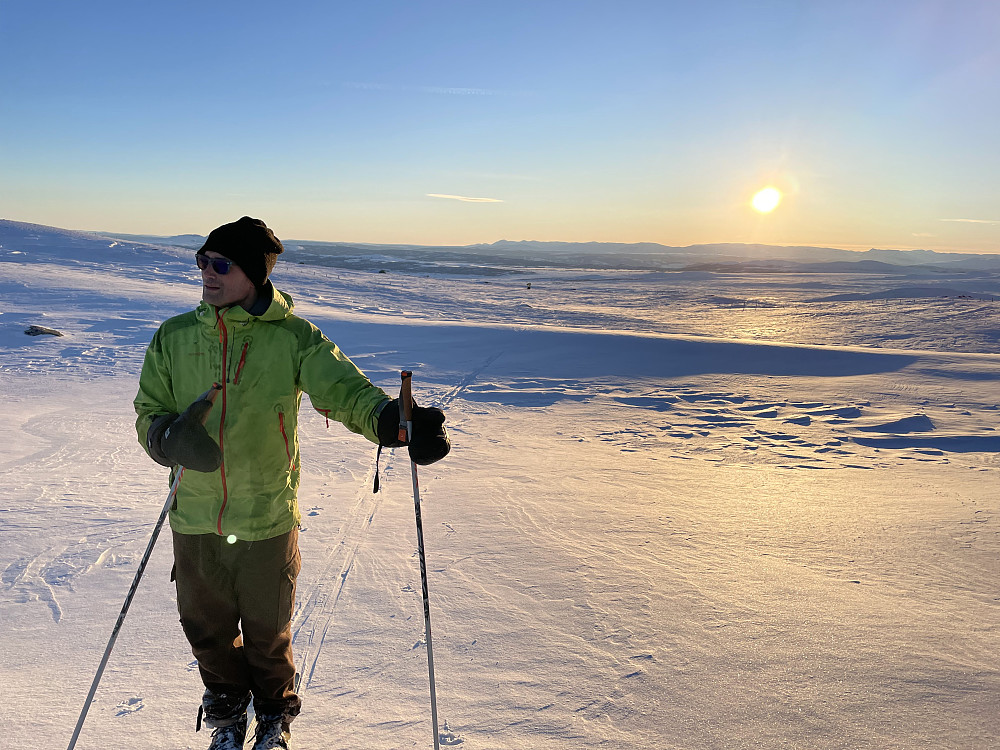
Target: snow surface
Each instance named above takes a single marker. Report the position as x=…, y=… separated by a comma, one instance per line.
x=686, y=510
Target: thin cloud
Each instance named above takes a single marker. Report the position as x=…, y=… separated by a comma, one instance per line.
x=368, y=86
x=453, y=90
x=464, y=198
x=436, y=90
x=973, y=221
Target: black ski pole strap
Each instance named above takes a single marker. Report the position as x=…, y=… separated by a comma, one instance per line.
x=197, y=724
x=403, y=437
x=378, y=457
x=173, y=475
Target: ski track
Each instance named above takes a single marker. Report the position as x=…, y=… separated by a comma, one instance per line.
x=315, y=614
x=38, y=577
x=468, y=380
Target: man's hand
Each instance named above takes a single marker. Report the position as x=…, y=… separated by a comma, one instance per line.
x=429, y=442
x=182, y=439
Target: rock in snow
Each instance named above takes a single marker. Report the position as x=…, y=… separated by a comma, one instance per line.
x=42, y=330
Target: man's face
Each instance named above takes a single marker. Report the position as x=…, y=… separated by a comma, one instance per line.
x=225, y=290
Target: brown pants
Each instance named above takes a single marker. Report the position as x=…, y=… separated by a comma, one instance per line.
x=235, y=602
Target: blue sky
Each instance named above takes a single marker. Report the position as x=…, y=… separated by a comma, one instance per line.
x=626, y=121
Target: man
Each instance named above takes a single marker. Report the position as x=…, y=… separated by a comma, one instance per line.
x=235, y=516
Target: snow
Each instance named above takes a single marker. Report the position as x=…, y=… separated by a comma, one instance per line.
x=671, y=519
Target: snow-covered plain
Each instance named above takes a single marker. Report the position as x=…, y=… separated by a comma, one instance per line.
x=683, y=510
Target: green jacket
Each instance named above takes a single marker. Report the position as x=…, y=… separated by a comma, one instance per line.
x=264, y=364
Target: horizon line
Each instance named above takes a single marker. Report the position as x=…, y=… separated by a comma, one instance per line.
x=844, y=247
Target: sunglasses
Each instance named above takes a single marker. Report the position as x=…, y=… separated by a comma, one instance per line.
x=220, y=265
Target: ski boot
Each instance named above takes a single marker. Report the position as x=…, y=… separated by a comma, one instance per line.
x=230, y=737
x=226, y=714
x=272, y=733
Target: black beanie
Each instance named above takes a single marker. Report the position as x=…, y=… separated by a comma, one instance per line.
x=249, y=244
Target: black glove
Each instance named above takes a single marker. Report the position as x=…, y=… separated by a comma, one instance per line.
x=182, y=439
x=430, y=441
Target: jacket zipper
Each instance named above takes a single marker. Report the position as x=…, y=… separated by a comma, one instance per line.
x=224, y=340
x=243, y=361
x=288, y=450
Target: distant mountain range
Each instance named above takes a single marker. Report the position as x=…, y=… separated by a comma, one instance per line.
x=505, y=256
x=735, y=257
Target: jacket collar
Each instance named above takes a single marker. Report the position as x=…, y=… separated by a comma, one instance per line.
x=281, y=307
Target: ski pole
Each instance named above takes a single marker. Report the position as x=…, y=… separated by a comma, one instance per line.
x=406, y=430
x=210, y=395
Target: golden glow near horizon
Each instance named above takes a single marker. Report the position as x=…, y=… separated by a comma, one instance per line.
x=766, y=200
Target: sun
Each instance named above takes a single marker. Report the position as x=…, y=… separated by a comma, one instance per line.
x=766, y=200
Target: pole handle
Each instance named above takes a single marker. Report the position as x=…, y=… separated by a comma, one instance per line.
x=210, y=395
x=406, y=394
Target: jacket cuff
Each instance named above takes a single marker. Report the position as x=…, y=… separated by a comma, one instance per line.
x=387, y=423
x=153, y=436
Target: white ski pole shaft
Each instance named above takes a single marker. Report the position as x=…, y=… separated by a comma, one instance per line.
x=406, y=420
x=125, y=606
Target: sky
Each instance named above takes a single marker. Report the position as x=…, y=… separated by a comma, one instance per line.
x=466, y=122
